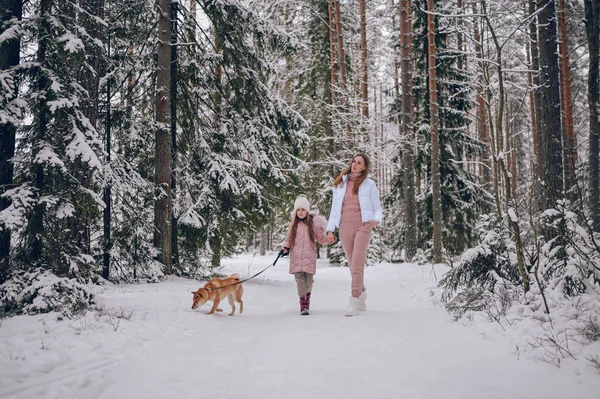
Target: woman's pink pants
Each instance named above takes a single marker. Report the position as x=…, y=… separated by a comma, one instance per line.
x=355, y=239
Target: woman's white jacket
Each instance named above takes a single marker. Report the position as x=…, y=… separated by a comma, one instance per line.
x=368, y=198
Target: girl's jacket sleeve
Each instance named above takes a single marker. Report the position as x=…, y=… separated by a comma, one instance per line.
x=286, y=242
x=320, y=227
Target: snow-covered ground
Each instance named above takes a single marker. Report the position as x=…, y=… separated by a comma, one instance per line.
x=149, y=343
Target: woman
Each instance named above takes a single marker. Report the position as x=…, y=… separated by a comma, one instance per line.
x=355, y=210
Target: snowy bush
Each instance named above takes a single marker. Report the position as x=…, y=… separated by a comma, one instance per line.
x=485, y=278
x=42, y=292
x=376, y=249
x=570, y=261
x=336, y=254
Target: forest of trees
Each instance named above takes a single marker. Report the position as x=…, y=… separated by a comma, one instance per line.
x=144, y=138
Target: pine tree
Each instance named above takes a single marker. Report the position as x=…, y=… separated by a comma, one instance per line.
x=592, y=25
x=10, y=116
x=243, y=134
x=461, y=198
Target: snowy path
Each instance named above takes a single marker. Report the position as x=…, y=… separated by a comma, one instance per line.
x=402, y=347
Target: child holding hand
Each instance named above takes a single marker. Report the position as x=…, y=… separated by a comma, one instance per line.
x=301, y=243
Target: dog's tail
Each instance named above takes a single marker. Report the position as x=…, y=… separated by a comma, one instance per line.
x=235, y=276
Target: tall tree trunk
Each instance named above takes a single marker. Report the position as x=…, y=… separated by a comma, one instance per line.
x=93, y=11
x=512, y=148
x=107, y=190
x=569, y=138
x=410, y=215
x=393, y=10
x=482, y=125
x=592, y=29
x=333, y=78
x=535, y=66
x=215, y=242
x=364, y=88
x=216, y=237
x=435, y=140
x=263, y=241
x=343, y=96
x=340, y=46
x=9, y=58
x=163, y=168
x=35, y=226
x=288, y=85
x=173, y=109
x=192, y=28
x=332, y=51
x=549, y=116
x=529, y=48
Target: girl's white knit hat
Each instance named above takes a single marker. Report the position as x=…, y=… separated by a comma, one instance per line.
x=301, y=202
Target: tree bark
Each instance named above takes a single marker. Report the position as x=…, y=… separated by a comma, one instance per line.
x=173, y=109
x=364, y=88
x=340, y=46
x=215, y=240
x=535, y=66
x=332, y=51
x=9, y=58
x=529, y=48
x=592, y=28
x=89, y=78
x=569, y=138
x=163, y=208
x=263, y=241
x=435, y=140
x=549, y=115
x=410, y=216
x=482, y=122
x=107, y=190
x=35, y=226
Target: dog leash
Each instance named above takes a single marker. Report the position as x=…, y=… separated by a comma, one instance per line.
x=281, y=254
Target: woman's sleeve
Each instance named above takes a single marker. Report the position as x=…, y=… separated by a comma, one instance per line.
x=332, y=213
x=377, y=210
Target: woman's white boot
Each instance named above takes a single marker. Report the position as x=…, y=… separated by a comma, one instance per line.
x=362, y=301
x=352, y=307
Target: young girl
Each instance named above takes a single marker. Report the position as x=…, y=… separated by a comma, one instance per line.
x=301, y=243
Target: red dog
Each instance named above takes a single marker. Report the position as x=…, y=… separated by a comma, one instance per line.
x=216, y=290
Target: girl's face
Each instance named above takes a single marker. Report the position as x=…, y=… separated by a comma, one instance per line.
x=301, y=213
x=358, y=165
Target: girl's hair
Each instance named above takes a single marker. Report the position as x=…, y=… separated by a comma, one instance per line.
x=309, y=226
x=339, y=180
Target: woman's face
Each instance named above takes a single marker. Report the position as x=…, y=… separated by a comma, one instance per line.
x=301, y=213
x=358, y=165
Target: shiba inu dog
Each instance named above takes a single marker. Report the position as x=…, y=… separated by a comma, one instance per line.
x=212, y=291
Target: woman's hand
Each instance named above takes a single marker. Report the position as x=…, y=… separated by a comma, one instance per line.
x=330, y=237
x=373, y=223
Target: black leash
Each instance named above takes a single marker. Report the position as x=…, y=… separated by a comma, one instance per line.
x=281, y=254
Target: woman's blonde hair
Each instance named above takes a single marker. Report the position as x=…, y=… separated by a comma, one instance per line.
x=339, y=180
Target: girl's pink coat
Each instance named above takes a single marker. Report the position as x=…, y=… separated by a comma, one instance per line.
x=303, y=255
